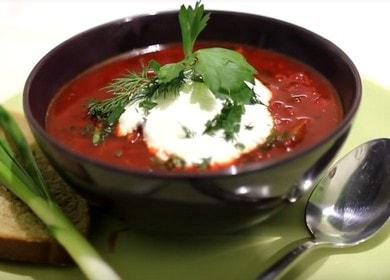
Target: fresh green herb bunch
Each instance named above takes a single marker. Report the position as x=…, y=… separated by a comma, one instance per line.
x=224, y=72
x=19, y=173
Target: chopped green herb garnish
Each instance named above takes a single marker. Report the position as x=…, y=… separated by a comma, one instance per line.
x=97, y=137
x=229, y=120
x=285, y=138
x=173, y=162
x=239, y=146
x=275, y=139
x=147, y=104
x=107, y=113
x=188, y=133
x=87, y=130
x=204, y=164
x=100, y=133
x=248, y=126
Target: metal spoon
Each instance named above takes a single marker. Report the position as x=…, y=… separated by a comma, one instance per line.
x=348, y=205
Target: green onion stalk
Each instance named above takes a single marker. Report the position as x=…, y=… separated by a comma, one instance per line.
x=19, y=172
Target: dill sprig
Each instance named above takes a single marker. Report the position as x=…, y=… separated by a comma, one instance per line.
x=155, y=90
x=188, y=133
x=108, y=109
x=123, y=89
x=204, y=164
x=173, y=162
x=129, y=89
x=107, y=112
x=129, y=83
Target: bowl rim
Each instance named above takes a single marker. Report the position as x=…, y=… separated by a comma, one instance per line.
x=225, y=172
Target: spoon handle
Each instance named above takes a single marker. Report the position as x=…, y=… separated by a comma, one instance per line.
x=281, y=265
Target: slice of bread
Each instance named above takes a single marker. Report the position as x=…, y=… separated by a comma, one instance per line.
x=23, y=236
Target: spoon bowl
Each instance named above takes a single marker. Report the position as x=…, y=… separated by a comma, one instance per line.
x=349, y=204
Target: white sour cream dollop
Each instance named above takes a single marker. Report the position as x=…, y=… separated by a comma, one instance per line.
x=176, y=126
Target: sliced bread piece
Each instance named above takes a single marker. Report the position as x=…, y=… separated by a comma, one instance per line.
x=23, y=236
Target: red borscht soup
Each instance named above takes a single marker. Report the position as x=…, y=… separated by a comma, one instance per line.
x=304, y=108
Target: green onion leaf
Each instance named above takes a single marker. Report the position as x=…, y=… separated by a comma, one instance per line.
x=23, y=178
x=19, y=145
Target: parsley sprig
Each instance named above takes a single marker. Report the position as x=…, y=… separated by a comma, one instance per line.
x=192, y=22
x=224, y=72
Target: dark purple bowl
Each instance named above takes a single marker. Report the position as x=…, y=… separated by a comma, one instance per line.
x=226, y=199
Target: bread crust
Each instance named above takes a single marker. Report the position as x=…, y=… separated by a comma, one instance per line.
x=35, y=251
x=23, y=237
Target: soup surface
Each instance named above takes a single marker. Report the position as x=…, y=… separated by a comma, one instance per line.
x=304, y=106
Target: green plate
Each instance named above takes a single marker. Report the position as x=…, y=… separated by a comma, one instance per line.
x=238, y=256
